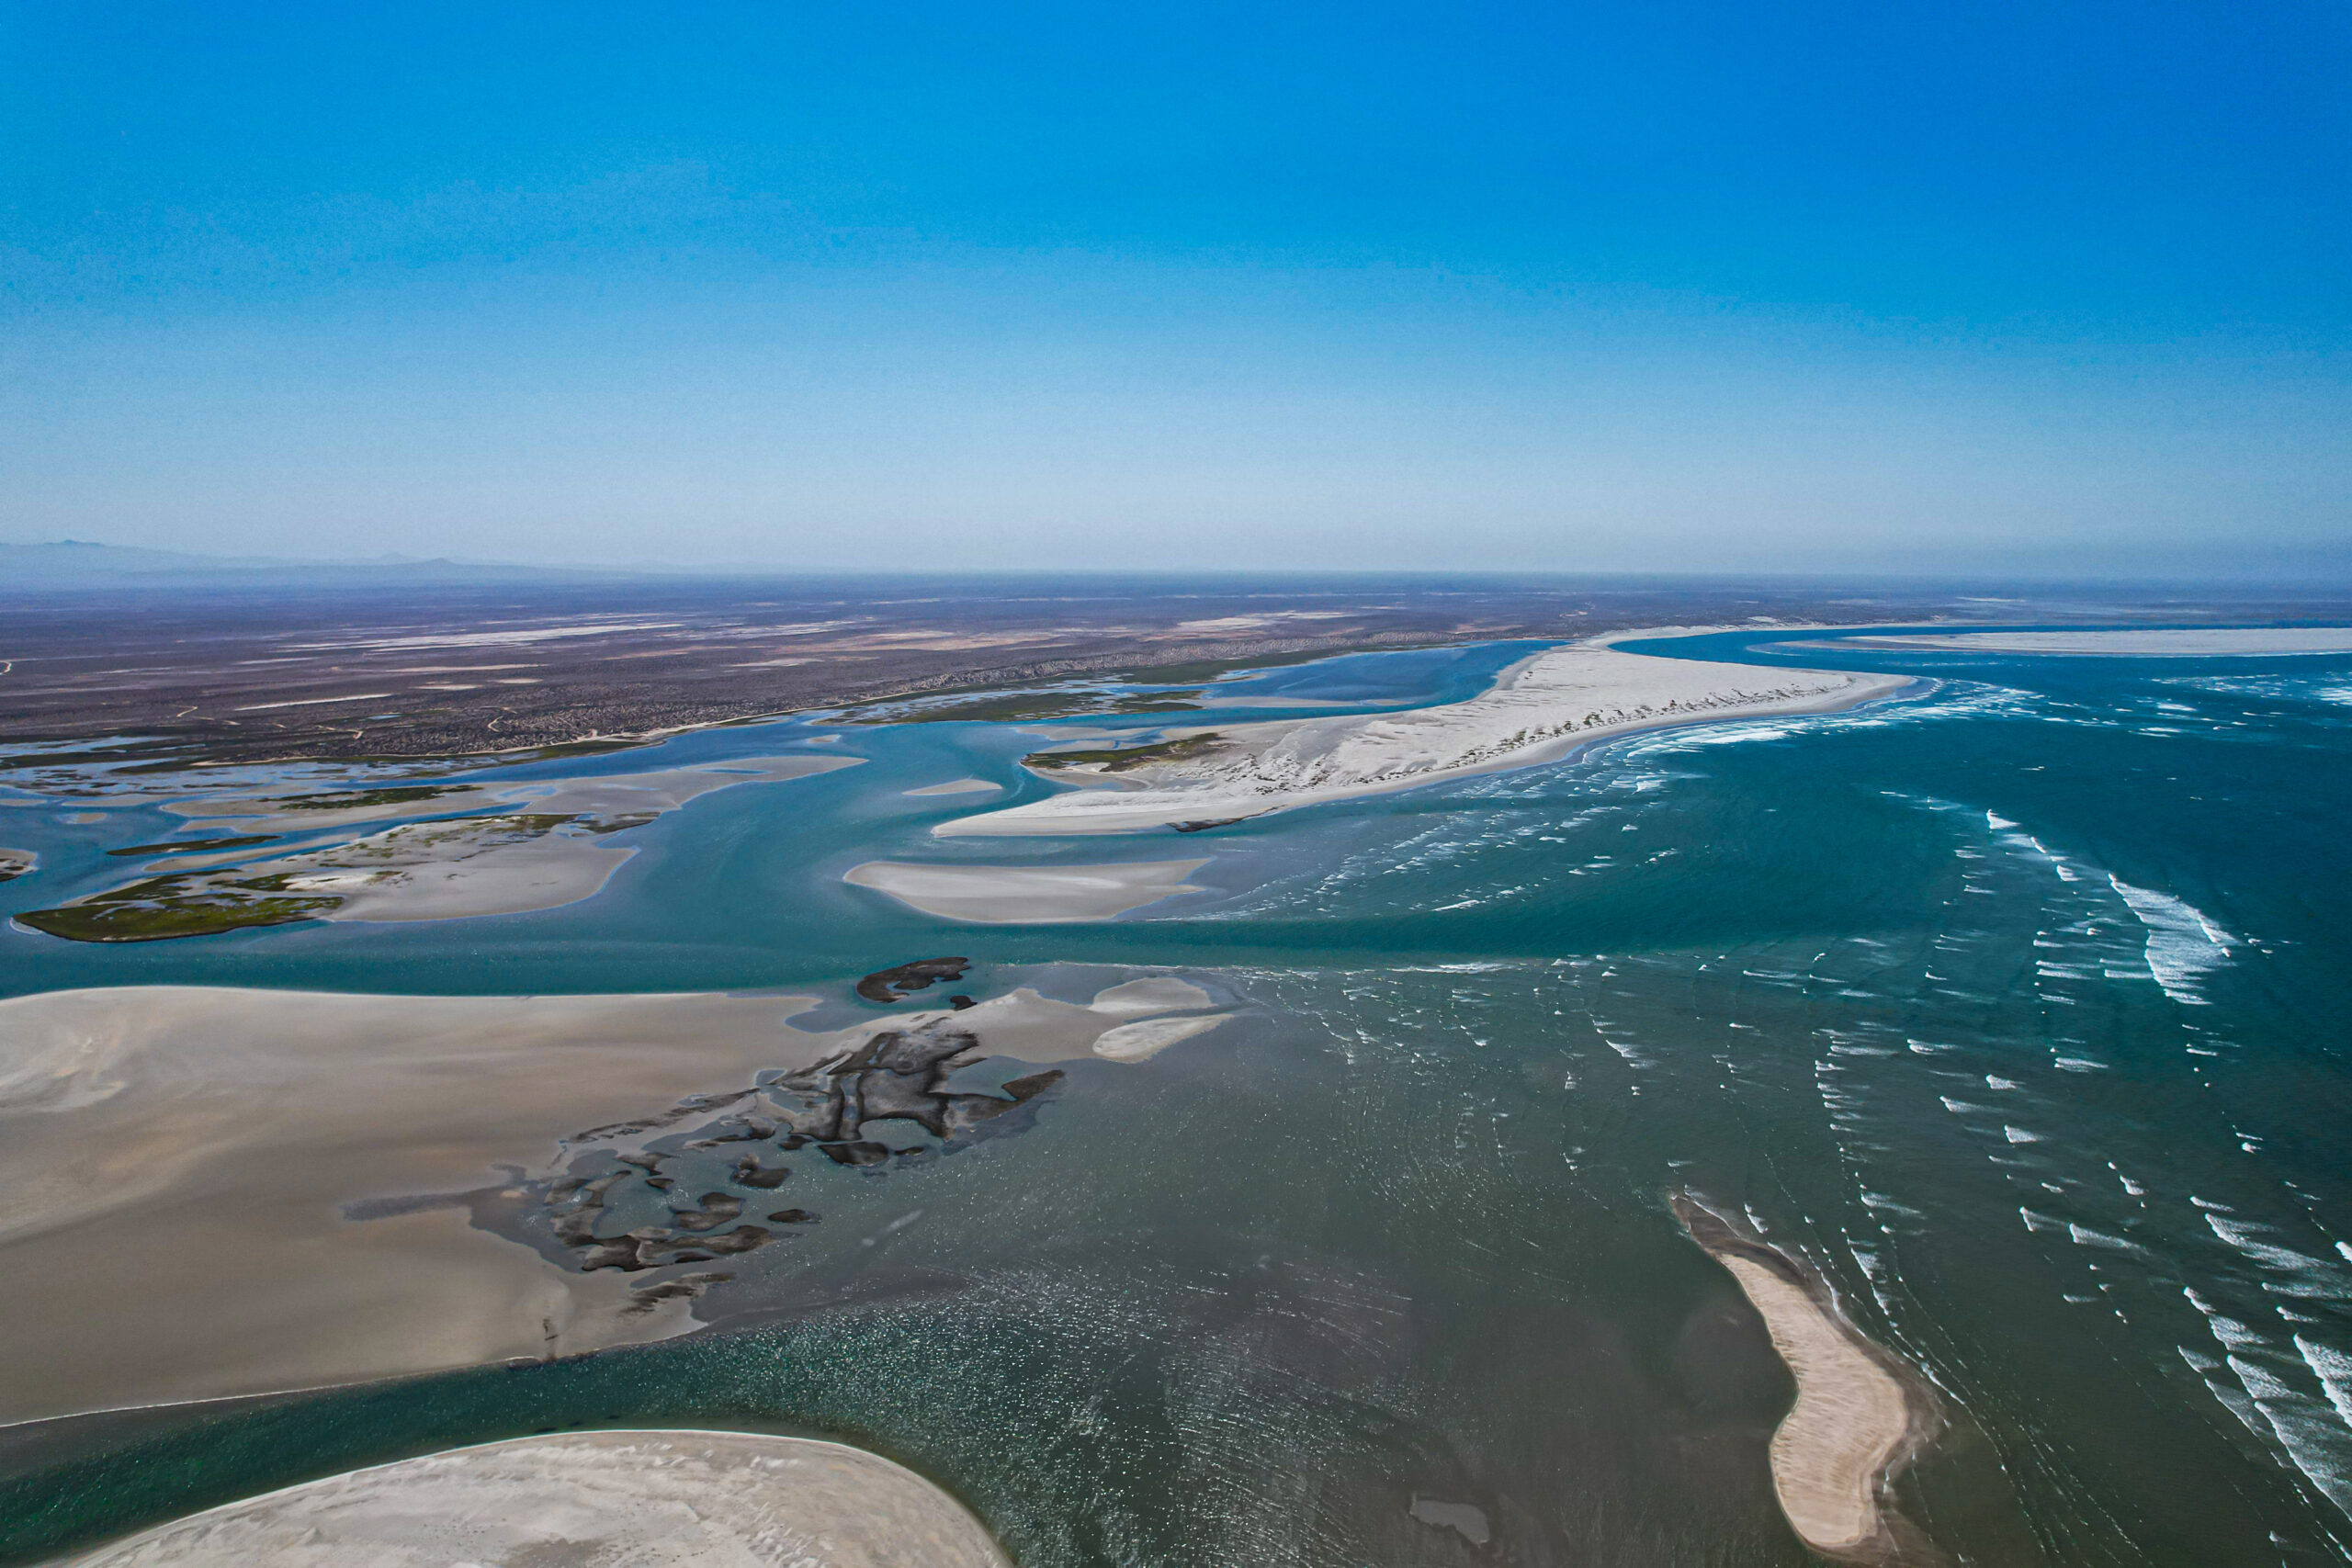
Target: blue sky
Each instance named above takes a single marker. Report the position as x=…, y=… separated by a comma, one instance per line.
x=1810, y=286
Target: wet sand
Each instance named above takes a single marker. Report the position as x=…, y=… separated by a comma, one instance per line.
x=956, y=786
x=1539, y=710
x=1026, y=894
x=211, y=1137
x=1858, y=1415
x=683, y=1499
x=217, y=1139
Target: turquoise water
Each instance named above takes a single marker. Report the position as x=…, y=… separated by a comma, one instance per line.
x=2015, y=1006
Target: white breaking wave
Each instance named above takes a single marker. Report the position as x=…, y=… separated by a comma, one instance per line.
x=2182, y=943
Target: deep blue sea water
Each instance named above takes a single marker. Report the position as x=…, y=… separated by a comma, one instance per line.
x=2015, y=1006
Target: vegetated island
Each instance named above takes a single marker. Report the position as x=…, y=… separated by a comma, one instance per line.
x=682, y=1498
x=1538, y=710
x=1860, y=1415
x=447, y=867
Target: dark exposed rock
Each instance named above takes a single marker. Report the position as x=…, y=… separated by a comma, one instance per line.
x=750, y=1172
x=901, y=981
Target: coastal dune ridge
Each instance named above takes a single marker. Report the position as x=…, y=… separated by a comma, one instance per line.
x=1860, y=1414
x=1538, y=710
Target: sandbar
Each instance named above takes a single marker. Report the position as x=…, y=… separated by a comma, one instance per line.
x=1539, y=710
x=2125, y=643
x=16, y=862
x=684, y=1499
x=956, y=786
x=1859, y=1417
x=1026, y=894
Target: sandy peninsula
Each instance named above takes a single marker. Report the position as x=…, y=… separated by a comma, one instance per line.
x=682, y=1499
x=1539, y=710
x=218, y=1138
x=1859, y=1414
x=1026, y=894
x=2125, y=643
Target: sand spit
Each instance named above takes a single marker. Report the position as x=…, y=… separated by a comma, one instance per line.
x=1026, y=894
x=1538, y=710
x=1859, y=1416
x=211, y=1137
x=956, y=786
x=684, y=1499
x=2121, y=643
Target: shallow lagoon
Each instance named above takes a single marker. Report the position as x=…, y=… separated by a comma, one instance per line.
x=2016, y=1007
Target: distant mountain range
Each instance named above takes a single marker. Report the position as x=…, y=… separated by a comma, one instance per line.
x=77, y=563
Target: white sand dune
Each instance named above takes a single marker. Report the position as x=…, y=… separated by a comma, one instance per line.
x=1537, y=711
x=1026, y=894
x=680, y=1499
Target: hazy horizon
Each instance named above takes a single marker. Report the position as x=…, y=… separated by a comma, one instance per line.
x=1705, y=288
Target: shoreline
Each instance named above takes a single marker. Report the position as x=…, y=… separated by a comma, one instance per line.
x=1862, y=1414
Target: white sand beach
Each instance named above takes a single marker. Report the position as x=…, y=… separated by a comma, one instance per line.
x=1026, y=894
x=680, y=1499
x=1537, y=711
x=2127, y=643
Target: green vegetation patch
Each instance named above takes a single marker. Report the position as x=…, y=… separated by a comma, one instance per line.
x=188, y=846
x=1119, y=760
x=163, y=908
x=344, y=800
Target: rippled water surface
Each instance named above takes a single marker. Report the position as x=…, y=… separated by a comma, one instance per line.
x=2017, y=1007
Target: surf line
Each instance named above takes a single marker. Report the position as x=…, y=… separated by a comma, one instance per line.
x=1861, y=1413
